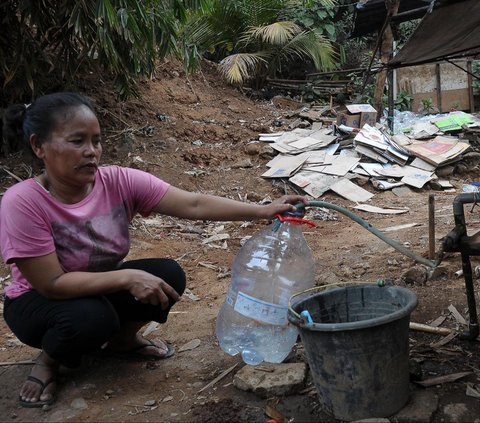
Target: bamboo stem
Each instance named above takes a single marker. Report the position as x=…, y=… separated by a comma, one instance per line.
x=430, y=329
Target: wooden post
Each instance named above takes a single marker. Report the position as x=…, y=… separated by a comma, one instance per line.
x=470, y=86
x=386, y=52
x=438, y=78
x=431, y=226
x=391, y=101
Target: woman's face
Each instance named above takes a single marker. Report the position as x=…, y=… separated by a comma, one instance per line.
x=72, y=152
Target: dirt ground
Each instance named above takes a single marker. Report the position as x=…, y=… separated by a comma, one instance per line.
x=195, y=133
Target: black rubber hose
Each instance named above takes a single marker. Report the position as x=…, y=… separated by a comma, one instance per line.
x=395, y=244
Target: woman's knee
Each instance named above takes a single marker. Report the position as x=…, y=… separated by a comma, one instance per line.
x=178, y=279
x=93, y=319
x=167, y=269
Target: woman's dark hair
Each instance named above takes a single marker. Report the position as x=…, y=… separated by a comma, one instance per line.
x=42, y=115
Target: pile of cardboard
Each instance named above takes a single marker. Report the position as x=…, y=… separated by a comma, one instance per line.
x=320, y=159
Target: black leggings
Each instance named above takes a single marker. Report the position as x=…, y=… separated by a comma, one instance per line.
x=67, y=329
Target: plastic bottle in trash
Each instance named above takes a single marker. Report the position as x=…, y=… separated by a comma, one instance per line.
x=271, y=266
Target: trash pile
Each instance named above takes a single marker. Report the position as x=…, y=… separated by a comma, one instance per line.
x=332, y=153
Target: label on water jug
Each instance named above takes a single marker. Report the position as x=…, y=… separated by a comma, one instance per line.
x=254, y=308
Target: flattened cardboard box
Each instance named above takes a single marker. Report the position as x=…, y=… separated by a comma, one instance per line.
x=357, y=115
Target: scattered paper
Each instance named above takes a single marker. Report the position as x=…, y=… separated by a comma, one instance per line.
x=313, y=183
x=439, y=150
x=422, y=164
x=341, y=165
x=400, y=227
x=351, y=191
x=416, y=178
x=383, y=185
x=284, y=166
x=374, y=209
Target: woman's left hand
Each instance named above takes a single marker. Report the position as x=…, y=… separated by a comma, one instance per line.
x=282, y=205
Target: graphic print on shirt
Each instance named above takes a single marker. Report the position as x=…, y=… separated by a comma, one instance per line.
x=95, y=245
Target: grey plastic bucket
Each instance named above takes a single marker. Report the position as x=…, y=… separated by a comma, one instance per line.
x=357, y=348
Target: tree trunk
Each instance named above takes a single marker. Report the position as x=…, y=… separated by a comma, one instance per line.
x=386, y=50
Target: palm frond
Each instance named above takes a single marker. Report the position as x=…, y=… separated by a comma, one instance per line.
x=238, y=68
x=277, y=33
x=308, y=44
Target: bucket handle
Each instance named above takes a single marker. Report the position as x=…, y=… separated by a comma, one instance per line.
x=379, y=282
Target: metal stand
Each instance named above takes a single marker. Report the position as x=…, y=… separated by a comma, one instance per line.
x=458, y=241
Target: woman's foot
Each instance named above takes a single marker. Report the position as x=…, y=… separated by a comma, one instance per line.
x=39, y=389
x=139, y=345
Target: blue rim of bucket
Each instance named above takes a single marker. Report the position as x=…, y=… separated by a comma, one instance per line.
x=412, y=302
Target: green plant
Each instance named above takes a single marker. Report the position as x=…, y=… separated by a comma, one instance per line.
x=476, y=81
x=403, y=101
x=427, y=106
x=253, y=41
x=455, y=105
x=45, y=40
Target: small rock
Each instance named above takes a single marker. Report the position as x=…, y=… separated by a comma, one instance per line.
x=266, y=151
x=283, y=379
x=79, y=404
x=252, y=149
x=373, y=420
x=242, y=164
x=401, y=191
x=439, y=272
x=435, y=185
x=462, y=169
x=456, y=413
x=444, y=171
x=150, y=403
x=416, y=275
x=233, y=109
x=197, y=385
x=419, y=409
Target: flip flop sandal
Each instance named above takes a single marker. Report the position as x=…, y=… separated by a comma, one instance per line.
x=136, y=351
x=37, y=404
x=136, y=354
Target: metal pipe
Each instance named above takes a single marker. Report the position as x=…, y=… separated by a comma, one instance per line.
x=461, y=229
x=431, y=226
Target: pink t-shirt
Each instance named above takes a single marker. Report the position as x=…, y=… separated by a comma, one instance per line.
x=91, y=235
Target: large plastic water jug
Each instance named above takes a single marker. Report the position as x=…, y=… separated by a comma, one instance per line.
x=271, y=266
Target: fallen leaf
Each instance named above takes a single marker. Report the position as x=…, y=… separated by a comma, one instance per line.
x=189, y=294
x=456, y=314
x=216, y=238
x=442, y=379
x=473, y=390
x=191, y=345
x=150, y=328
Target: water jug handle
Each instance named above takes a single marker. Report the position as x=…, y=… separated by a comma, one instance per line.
x=295, y=220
